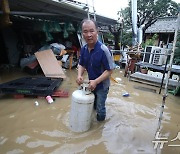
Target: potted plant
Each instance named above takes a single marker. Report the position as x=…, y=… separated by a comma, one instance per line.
x=144, y=69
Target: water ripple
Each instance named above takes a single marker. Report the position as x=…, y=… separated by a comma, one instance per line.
x=44, y=143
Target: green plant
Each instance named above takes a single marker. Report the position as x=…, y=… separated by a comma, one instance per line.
x=126, y=39
x=150, y=41
x=144, y=67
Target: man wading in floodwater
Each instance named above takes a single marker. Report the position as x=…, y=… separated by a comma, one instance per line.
x=96, y=58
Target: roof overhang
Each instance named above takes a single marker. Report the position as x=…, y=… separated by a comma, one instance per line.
x=164, y=25
x=53, y=10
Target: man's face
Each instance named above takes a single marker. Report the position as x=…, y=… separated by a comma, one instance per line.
x=89, y=32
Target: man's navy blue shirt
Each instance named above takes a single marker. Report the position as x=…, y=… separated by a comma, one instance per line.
x=96, y=62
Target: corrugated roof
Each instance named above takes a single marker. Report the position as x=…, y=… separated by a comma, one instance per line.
x=53, y=10
x=163, y=25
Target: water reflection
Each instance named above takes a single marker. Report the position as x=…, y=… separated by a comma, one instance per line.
x=22, y=139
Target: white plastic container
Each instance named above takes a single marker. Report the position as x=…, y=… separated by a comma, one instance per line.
x=49, y=99
x=81, y=110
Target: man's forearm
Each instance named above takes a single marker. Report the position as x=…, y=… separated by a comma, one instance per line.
x=105, y=75
x=80, y=70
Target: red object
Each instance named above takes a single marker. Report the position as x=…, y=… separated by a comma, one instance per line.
x=60, y=93
x=74, y=48
x=130, y=66
x=18, y=96
x=33, y=64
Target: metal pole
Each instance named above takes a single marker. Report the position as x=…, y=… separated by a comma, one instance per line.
x=164, y=72
x=88, y=9
x=172, y=54
x=169, y=71
x=94, y=11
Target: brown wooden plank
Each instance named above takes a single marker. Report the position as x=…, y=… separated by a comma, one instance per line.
x=49, y=64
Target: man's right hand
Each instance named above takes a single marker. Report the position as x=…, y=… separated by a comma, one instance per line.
x=79, y=80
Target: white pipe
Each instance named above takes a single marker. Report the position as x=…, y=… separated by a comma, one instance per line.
x=140, y=33
x=31, y=13
x=134, y=20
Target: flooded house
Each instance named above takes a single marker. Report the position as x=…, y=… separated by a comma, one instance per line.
x=154, y=58
x=165, y=28
x=27, y=27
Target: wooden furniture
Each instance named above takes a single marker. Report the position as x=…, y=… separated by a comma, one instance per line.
x=71, y=54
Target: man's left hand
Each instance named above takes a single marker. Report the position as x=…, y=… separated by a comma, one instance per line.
x=92, y=85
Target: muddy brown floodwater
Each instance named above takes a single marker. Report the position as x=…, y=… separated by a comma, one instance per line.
x=129, y=128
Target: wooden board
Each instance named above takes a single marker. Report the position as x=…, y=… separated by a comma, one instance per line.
x=49, y=64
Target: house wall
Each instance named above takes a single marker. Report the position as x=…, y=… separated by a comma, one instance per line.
x=3, y=53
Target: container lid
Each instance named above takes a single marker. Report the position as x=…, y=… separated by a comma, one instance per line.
x=79, y=96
